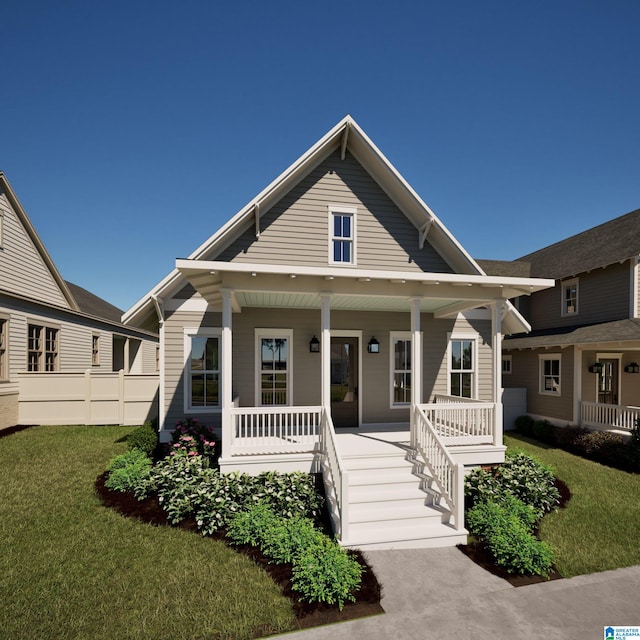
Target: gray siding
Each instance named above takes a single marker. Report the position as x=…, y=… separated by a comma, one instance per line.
x=23, y=270
x=296, y=229
x=603, y=296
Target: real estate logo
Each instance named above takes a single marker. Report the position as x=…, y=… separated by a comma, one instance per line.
x=621, y=633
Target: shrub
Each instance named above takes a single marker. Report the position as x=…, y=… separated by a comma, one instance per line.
x=128, y=471
x=520, y=475
x=566, y=437
x=524, y=425
x=605, y=447
x=543, y=430
x=190, y=437
x=144, y=438
x=326, y=574
x=252, y=526
x=505, y=527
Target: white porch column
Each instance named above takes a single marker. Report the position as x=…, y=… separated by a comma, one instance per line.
x=577, y=384
x=325, y=350
x=226, y=392
x=496, y=341
x=416, y=352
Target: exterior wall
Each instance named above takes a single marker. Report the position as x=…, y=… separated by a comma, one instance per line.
x=603, y=296
x=375, y=372
x=8, y=409
x=525, y=373
x=23, y=270
x=629, y=383
x=296, y=229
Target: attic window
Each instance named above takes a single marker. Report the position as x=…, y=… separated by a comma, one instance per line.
x=342, y=223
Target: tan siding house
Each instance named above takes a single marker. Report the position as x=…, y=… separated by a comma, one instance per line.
x=50, y=326
x=334, y=323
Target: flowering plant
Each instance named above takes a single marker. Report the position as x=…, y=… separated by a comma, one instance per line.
x=191, y=438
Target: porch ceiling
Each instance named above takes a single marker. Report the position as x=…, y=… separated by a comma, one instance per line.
x=261, y=285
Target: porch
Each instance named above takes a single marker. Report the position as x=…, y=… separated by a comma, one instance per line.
x=607, y=417
x=397, y=486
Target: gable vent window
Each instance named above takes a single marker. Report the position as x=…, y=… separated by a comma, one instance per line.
x=342, y=222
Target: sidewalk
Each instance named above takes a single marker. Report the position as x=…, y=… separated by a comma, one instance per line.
x=440, y=593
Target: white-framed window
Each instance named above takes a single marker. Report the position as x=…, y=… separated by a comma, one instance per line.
x=202, y=370
x=4, y=348
x=342, y=235
x=42, y=348
x=400, y=368
x=95, y=350
x=507, y=365
x=462, y=360
x=273, y=367
x=550, y=370
x=570, y=297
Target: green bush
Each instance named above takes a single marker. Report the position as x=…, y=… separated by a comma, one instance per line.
x=524, y=425
x=128, y=471
x=252, y=526
x=144, y=438
x=543, y=431
x=506, y=529
x=326, y=574
x=520, y=475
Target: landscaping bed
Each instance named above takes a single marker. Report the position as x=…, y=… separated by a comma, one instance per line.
x=367, y=597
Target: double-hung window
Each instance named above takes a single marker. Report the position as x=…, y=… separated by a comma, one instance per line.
x=273, y=367
x=570, y=297
x=202, y=370
x=42, y=348
x=342, y=233
x=462, y=367
x=95, y=350
x=550, y=374
x=400, y=369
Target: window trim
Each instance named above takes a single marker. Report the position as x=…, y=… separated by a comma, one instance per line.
x=455, y=336
x=95, y=349
x=564, y=310
x=259, y=334
x=542, y=358
x=336, y=209
x=43, y=350
x=507, y=371
x=4, y=347
x=206, y=332
x=393, y=336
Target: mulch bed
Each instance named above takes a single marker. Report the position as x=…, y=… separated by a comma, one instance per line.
x=307, y=614
x=478, y=552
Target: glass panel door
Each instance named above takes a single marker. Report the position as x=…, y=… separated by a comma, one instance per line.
x=344, y=382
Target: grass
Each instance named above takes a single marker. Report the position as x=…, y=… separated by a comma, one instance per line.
x=70, y=568
x=600, y=527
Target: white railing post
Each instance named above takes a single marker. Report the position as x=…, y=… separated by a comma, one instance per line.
x=226, y=377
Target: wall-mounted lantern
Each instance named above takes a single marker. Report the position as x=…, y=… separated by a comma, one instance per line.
x=314, y=345
x=373, y=346
x=596, y=367
x=632, y=367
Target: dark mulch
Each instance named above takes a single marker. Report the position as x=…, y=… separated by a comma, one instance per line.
x=307, y=614
x=478, y=552
x=7, y=431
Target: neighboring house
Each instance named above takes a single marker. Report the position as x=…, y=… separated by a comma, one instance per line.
x=50, y=328
x=580, y=363
x=335, y=324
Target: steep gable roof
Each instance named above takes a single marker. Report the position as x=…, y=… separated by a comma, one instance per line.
x=346, y=135
x=93, y=305
x=613, y=241
x=514, y=269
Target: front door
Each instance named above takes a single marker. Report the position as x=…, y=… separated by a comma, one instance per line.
x=608, y=382
x=344, y=382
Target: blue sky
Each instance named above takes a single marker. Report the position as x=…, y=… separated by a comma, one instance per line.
x=132, y=130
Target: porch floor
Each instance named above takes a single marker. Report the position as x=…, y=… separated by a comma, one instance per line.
x=372, y=442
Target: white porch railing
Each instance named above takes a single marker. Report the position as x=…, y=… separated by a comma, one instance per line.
x=462, y=421
x=447, y=474
x=595, y=414
x=273, y=430
x=335, y=476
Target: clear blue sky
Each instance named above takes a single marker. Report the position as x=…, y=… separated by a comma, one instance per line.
x=132, y=130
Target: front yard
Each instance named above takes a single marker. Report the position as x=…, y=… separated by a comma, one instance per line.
x=70, y=568
x=600, y=527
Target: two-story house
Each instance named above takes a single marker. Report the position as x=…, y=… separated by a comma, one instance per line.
x=335, y=324
x=581, y=362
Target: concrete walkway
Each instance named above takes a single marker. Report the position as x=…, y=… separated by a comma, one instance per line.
x=440, y=593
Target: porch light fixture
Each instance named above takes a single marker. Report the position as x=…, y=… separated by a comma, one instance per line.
x=373, y=346
x=632, y=367
x=314, y=345
x=596, y=367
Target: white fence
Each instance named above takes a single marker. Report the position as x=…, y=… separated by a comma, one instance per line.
x=609, y=416
x=462, y=421
x=88, y=397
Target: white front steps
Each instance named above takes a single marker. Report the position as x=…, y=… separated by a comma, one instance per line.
x=387, y=508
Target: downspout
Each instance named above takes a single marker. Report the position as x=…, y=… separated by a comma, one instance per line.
x=158, y=304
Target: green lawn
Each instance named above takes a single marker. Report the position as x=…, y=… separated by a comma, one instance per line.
x=600, y=527
x=70, y=568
